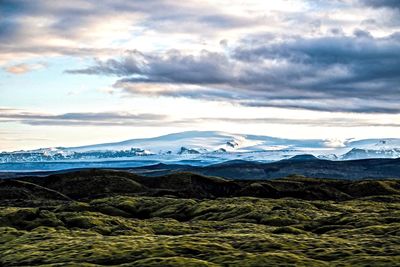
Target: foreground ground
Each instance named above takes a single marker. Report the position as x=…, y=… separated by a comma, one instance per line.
x=43, y=227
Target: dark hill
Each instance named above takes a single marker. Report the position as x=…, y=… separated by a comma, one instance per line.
x=191, y=185
x=99, y=183
x=303, y=157
x=90, y=183
x=13, y=189
x=306, y=165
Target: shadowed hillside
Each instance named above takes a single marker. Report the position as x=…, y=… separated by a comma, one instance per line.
x=315, y=168
x=97, y=183
x=305, y=165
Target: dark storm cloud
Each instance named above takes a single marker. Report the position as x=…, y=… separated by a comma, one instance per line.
x=335, y=66
x=81, y=119
x=356, y=73
x=124, y=67
x=382, y=3
x=171, y=67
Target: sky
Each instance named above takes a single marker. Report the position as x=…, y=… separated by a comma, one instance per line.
x=82, y=72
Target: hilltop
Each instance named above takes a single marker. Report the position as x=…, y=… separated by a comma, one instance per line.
x=88, y=184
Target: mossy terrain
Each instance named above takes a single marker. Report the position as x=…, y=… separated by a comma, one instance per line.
x=49, y=227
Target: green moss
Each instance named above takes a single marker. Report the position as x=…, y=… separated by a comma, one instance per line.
x=288, y=230
x=162, y=231
x=171, y=262
x=7, y=234
x=271, y=259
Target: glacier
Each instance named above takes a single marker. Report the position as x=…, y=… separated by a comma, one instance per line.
x=194, y=148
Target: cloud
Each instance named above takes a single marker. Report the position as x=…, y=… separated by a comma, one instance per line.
x=357, y=73
x=81, y=119
x=317, y=122
x=382, y=3
x=317, y=64
x=169, y=67
x=24, y=68
x=80, y=27
x=125, y=119
x=87, y=28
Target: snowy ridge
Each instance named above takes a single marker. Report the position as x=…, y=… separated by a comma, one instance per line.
x=206, y=147
x=172, y=143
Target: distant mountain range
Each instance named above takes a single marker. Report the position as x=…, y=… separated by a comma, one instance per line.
x=303, y=165
x=199, y=148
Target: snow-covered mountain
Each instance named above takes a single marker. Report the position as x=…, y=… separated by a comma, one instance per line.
x=206, y=147
x=204, y=142
x=372, y=148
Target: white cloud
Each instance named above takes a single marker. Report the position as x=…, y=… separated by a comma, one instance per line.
x=23, y=68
